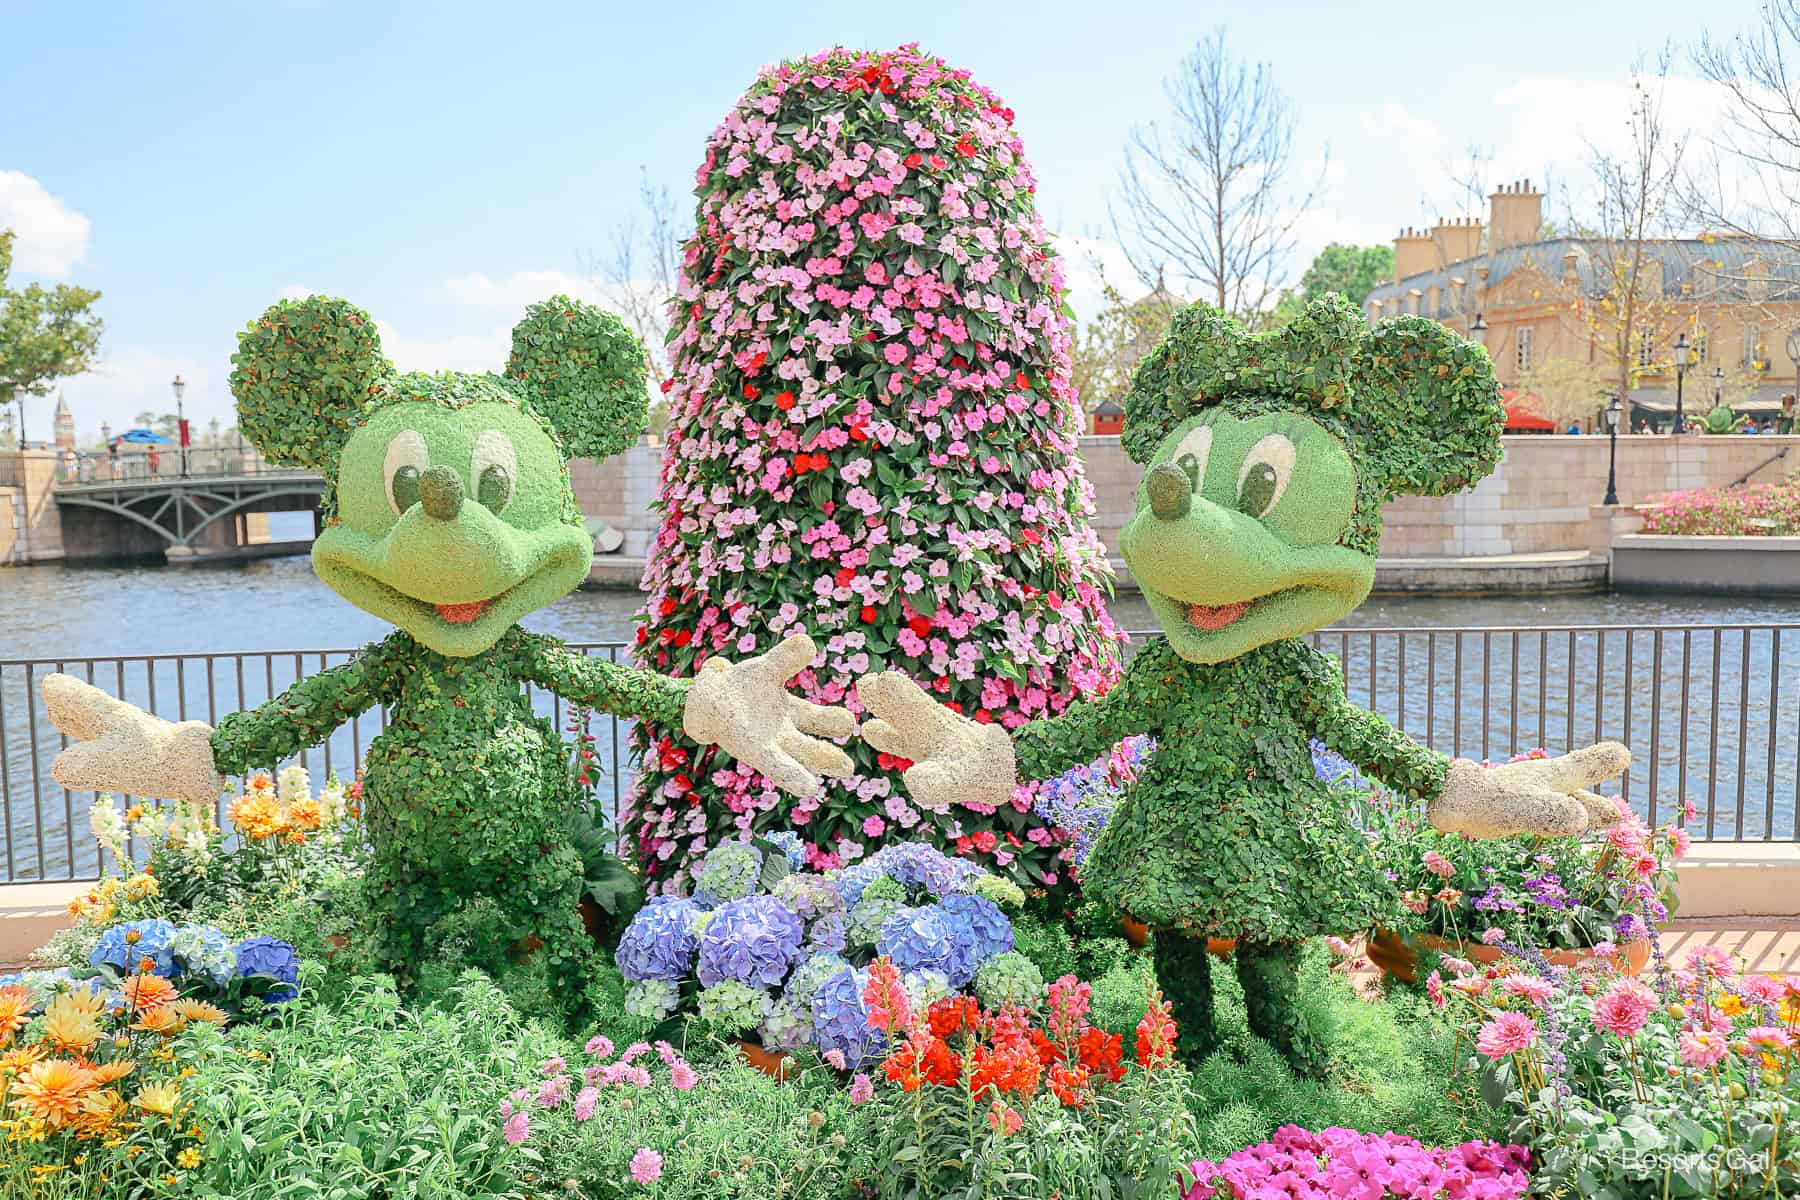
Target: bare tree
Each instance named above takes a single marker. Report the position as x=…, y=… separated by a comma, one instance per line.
x=1628, y=315
x=1205, y=199
x=637, y=275
x=1760, y=72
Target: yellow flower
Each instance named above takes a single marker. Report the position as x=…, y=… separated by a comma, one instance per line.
x=1731, y=1005
x=52, y=1090
x=188, y=1159
x=134, y=812
x=199, y=1010
x=70, y=1025
x=305, y=813
x=98, y=1112
x=164, y=1021
x=113, y=1071
x=159, y=1098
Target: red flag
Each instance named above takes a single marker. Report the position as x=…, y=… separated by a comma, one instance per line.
x=184, y=433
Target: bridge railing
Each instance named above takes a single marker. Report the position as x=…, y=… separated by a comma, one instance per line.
x=158, y=462
x=1712, y=713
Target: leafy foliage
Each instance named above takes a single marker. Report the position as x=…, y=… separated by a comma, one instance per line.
x=46, y=334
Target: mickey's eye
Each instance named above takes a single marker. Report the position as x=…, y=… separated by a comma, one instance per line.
x=406, y=460
x=494, y=467
x=1192, y=453
x=1265, y=475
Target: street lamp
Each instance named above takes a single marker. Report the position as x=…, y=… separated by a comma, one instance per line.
x=180, y=386
x=1793, y=349
x=1681, y=366
x=1613, y=409
x=1480, y=325
x=1718, y=386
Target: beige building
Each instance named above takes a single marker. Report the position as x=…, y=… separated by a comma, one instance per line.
x=1565, y=317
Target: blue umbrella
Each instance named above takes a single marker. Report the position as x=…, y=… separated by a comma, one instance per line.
x=147, y=436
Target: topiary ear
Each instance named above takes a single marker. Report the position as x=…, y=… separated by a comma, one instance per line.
x=1195, y=361
x=302, y=372
x=1428, y=408
x=582, y=371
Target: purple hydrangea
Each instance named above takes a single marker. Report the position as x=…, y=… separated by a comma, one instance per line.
x=830, y=932
x=928, y=938
x=920, y=865
x=841, y=1022
x=989, y=930
x=755, y=940
x=659, y=943
x=272, y=958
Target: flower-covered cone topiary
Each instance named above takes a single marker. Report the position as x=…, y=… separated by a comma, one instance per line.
x=872, y=438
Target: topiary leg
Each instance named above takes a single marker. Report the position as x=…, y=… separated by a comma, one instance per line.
x=1270, y=974
x=1185, y=976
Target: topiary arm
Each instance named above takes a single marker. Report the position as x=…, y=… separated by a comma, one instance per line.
x=595, y=682
x=1087, y=729
x=307, y=713
x=1363, y=737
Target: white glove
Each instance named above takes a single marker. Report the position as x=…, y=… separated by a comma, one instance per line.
x=746, y=710
x=954, y=758
x=1546, y=796
x=118, y=747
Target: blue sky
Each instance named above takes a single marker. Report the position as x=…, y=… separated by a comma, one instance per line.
x=443, y=164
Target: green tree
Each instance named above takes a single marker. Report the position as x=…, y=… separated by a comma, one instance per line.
x=1102, y=361
x=46, y=334
x=1351, y=271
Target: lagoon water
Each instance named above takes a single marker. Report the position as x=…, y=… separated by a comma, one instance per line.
x=1483, y=695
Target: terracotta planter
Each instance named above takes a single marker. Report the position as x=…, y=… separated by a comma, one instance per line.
x=1398, y=955
x=773, y=1063
x=1138, y=934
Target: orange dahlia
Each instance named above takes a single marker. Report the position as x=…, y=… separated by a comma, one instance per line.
x=99, y=1109
x=70, y=1025
x=163, y=1020
x=15, y=1009
x=18, y=1058
x=145, y=992
x=198, y=1010
x=112, y=1072
x=52, y=1090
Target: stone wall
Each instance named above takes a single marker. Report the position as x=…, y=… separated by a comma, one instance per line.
x=1539, y=500
x=30, y=524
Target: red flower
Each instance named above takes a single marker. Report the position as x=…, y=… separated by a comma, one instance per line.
x=985, y=841
x=921, y=626
x=1103, y=1053
x=983, y=717
x=844, y=576
x=683, y=785
x=683, y=637
x=751, y=391
x=667, y=607
x=912, y=164
x=784, y=400
x=643, y=634
x=965, y=147
x=1070, y=1084
x=892, y=762
x=802, y=463
x=1032, y=537
x=1021, y=381
x=937, y=160
x=820, y=462
x=1156, y=1035
x=666, y=385
x=953, y=1014
x=869, y=614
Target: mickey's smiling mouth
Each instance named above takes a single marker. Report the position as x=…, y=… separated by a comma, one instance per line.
x=1214, y=617
x=462, y=614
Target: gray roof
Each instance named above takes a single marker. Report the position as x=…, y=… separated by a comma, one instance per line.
x=1710, y=270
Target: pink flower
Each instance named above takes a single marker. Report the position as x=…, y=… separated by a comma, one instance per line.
x=1507, y=1033
x=1493, y=936
x=1434, y=987
x=873, y=826
x=600, y=1046
x=1438, y=865
x=553, y=1066
x=1624, y=1008
x=585, y=1100
x=1702, y=1048
x=1770, y=1037
x=517, y=1128
x=683, y=1077
x=1534, y=988
x=1705, y=959
x=646, y=1166
x=862, y=1089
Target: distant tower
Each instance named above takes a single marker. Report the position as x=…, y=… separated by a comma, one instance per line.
x=65, y=424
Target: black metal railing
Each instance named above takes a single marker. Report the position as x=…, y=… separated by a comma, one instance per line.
x=1712, y=713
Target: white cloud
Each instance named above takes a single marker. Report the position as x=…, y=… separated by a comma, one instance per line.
x=519, y=290
x=461, y=352
x=52, y=237
x=297, y=291
x=130, y=380
x=1089, y=265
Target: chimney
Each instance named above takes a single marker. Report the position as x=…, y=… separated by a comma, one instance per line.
x=1571, y=266
x=1515, y=215
x=1458, y=240
x=1413, y=253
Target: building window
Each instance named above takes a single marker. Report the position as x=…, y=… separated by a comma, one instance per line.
x=1752, y=339
x=1522, y=346
x=1699, y=350
x=1646, y=350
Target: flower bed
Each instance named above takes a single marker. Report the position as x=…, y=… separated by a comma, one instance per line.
x=1748, y=510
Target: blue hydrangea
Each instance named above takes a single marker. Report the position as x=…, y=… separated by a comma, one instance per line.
x=791, y=847
x=830, y=932
x=841, y=1023
x=788, y=1025
x=755, y=940
x=126, y=945
x=730, y=872
x=204, y=952
x=1328, y=765
x=264, y=955
x=810, y=896
x=807, y=978
x=928, y=938
x=660, y=942
x=989, y=929
x=867, y=918
x=924, y=866
x=850, y=881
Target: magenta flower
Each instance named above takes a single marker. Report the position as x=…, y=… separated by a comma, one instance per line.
x=1702, y=1048
x=862, y=1089
x=646, y=1166
x=1624, y=1008
x=585, y=1100
x=517, y=1128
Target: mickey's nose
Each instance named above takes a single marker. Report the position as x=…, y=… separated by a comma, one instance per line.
x=1170, y=491
x=441, y=493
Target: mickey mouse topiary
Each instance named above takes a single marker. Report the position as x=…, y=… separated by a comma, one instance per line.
x=1269, y=458
x=451, y=515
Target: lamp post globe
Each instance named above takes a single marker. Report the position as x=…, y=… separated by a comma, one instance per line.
x=1681, y=367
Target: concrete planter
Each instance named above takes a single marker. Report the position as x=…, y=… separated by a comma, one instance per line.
x=1753, y=566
